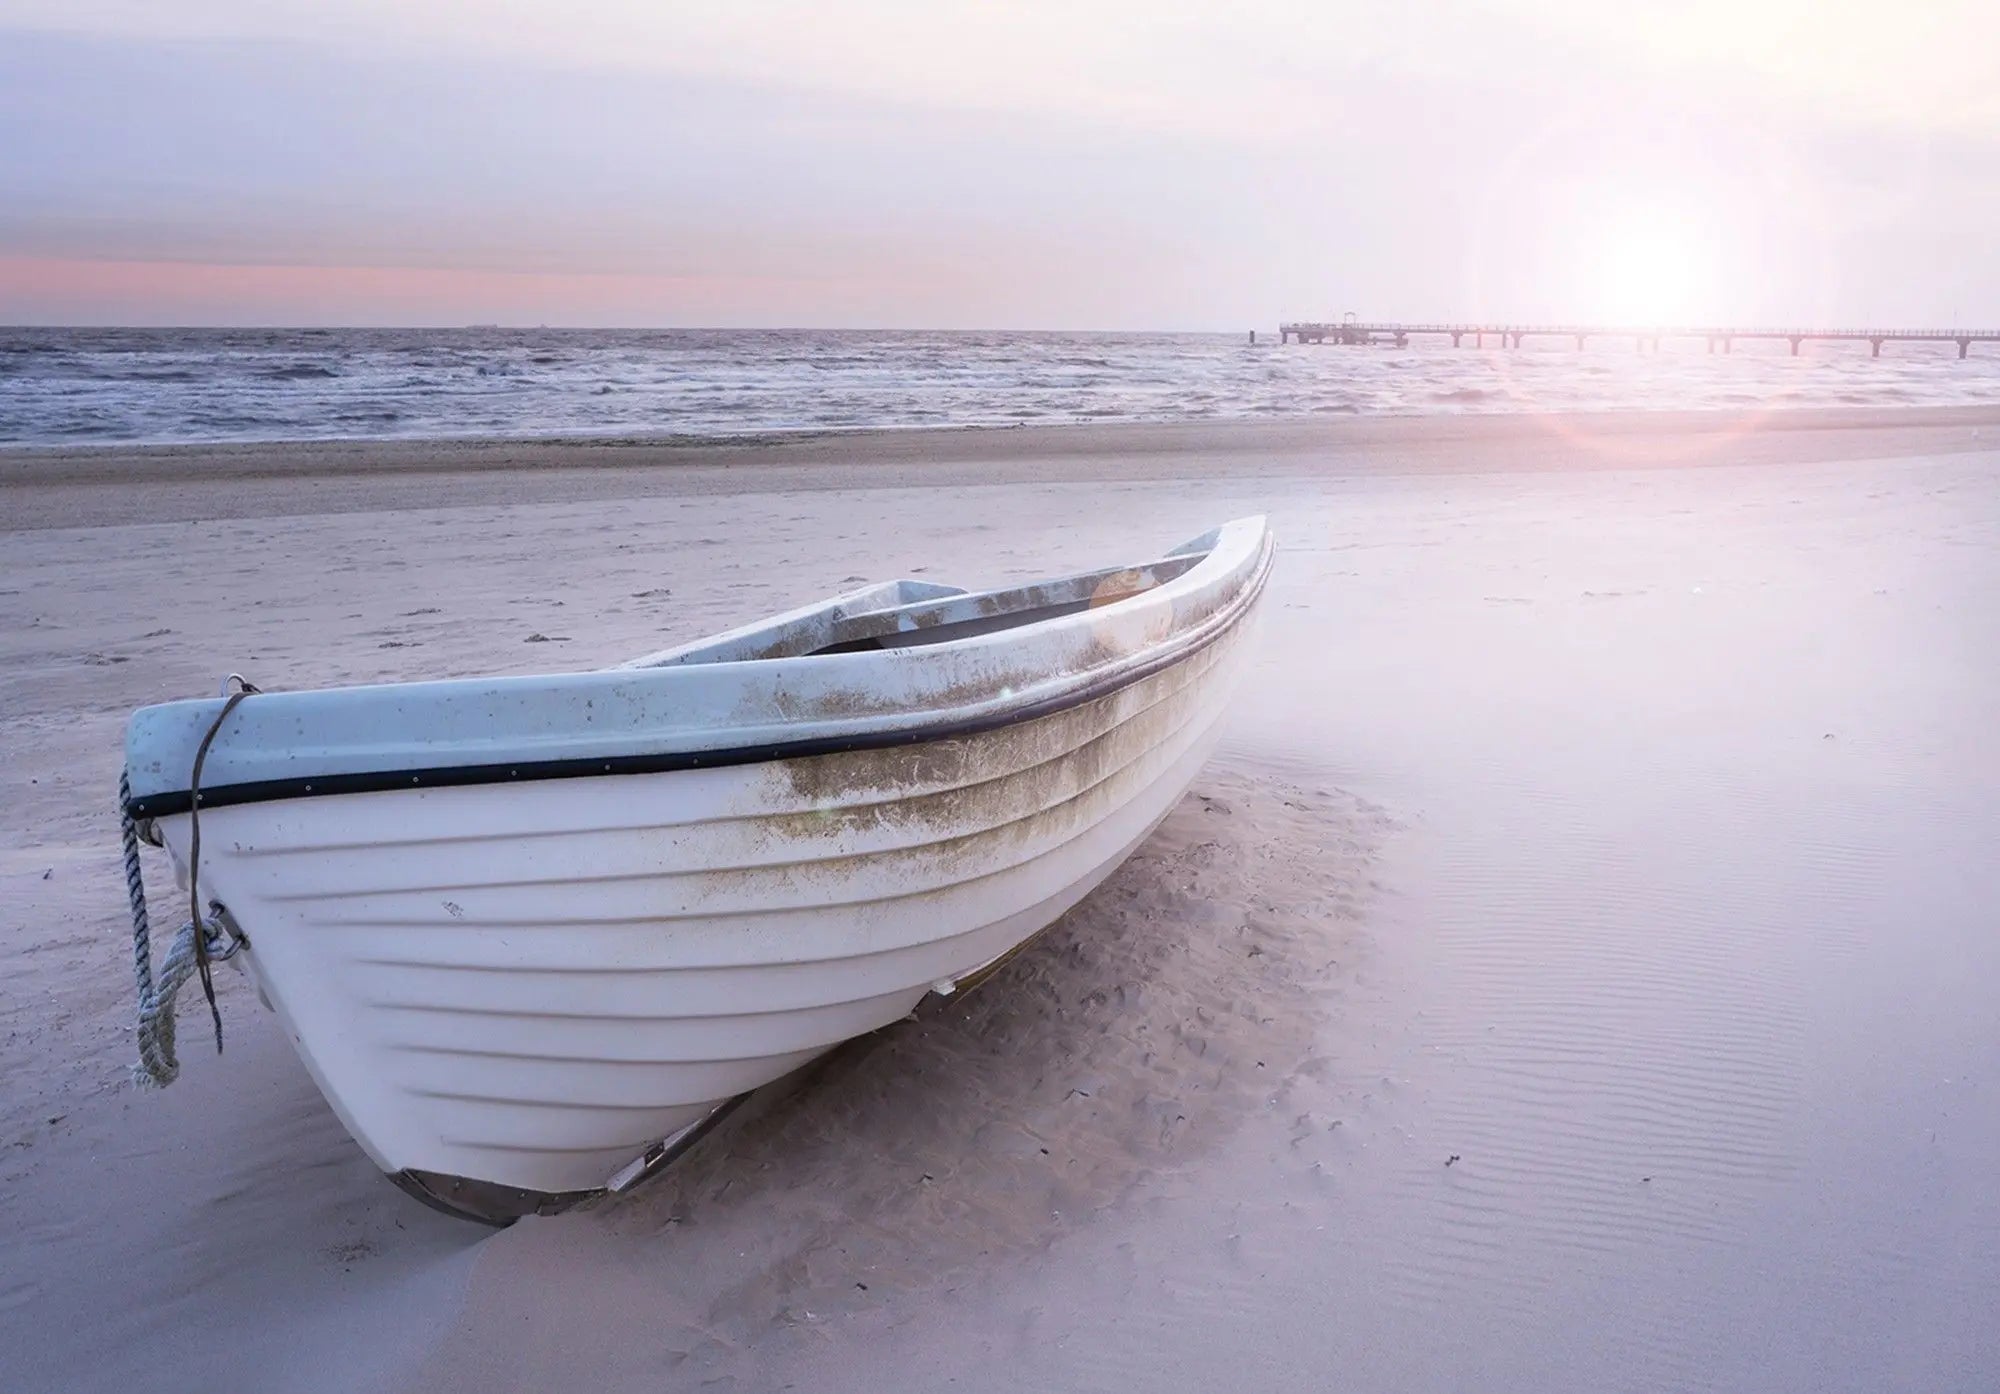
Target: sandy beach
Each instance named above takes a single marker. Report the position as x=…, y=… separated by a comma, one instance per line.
x=1576, y=971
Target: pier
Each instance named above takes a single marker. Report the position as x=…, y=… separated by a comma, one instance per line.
x=1646, y=340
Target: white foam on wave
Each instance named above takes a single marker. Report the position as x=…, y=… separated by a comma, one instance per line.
x=158, y=385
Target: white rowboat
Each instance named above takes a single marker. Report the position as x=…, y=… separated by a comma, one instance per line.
x=530, y=934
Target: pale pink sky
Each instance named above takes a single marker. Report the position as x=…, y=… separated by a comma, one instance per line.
x=946, y=163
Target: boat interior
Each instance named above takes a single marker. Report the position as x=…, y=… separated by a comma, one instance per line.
x=910, y=613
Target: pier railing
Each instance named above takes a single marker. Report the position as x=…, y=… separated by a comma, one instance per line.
x=1511, y=335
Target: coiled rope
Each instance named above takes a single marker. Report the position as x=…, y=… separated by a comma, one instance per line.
x=202, y=941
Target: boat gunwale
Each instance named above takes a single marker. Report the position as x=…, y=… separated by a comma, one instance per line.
x=922, y=729
x=787, y=863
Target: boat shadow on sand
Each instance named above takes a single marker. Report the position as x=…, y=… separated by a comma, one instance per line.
x=1131, y=1038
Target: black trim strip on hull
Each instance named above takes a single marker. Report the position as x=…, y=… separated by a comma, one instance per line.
x=166, y=805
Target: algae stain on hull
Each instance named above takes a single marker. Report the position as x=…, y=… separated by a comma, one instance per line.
x=995, y=778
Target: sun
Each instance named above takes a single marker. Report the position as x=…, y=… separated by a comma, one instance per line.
x=1649, y=269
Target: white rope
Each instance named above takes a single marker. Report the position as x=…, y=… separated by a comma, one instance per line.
x=201, y=941
x=157, y=1063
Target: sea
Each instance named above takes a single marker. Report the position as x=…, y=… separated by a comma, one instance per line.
x=132, y=386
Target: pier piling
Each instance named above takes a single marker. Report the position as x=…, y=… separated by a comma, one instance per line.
x=1645, y=339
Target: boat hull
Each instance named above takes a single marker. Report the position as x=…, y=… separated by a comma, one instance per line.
x=519, y=989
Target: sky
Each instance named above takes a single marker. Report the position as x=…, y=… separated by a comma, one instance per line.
x=1106, y=164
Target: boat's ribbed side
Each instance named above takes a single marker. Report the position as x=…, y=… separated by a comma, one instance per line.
x=527, y=984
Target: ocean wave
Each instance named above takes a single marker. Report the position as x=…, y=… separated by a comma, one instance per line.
x=146, y=375
x=130, y=385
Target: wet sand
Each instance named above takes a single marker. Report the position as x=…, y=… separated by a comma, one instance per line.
x=1574, y=972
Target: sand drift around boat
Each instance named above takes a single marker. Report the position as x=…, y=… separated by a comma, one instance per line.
x=532, y=934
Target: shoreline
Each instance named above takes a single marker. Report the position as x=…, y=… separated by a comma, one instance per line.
x=65, y=486
x=1143, y=435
